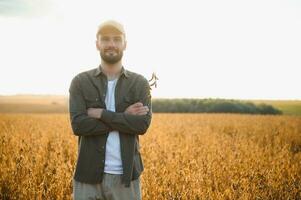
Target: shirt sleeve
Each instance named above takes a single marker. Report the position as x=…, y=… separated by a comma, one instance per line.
x=82, y=124
x=128, y=123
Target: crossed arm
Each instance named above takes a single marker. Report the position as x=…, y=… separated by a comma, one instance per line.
x=96, y=121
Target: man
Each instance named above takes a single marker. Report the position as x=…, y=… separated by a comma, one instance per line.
x=109, y=108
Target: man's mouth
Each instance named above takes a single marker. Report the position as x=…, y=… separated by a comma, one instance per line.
x=110, y=51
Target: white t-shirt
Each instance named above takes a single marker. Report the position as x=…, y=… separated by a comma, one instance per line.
x=113, y=163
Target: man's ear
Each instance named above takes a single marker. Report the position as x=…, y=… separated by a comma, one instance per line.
x=97, y=45
x=125, y=43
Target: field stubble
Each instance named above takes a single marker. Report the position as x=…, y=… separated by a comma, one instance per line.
x=186, y=156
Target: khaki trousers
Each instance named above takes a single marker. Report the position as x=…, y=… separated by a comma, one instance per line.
x=110, y=189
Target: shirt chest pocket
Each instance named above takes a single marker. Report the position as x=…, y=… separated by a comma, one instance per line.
x=93, y=102
x=125, y=103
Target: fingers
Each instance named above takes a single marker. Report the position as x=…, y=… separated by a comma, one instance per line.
x=94, y=112
x=137, y=109
x=141, y=113
x=138, y=104
x=141, y=110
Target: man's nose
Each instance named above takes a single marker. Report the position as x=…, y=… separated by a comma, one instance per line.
x=111, y=43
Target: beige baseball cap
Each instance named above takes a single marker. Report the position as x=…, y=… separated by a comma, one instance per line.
x=109, y=26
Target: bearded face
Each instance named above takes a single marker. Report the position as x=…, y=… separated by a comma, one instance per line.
x=111, y=47
x=111, y=55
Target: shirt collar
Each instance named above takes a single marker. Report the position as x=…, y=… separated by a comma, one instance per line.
x=124, y=72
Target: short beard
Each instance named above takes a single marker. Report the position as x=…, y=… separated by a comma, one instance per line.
x=111, y=59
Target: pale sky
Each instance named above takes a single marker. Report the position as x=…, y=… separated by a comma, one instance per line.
x=198, y=49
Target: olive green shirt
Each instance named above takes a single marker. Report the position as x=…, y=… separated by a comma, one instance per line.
x=88, y=90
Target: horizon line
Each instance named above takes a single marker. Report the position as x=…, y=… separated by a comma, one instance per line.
x=253, y=99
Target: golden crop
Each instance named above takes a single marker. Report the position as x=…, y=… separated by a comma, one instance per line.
x=186, y=156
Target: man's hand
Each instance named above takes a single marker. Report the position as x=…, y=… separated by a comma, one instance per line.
x=94, y=112
x=137, y=109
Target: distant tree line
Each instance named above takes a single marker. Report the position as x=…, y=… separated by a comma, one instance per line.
x=211, y=106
